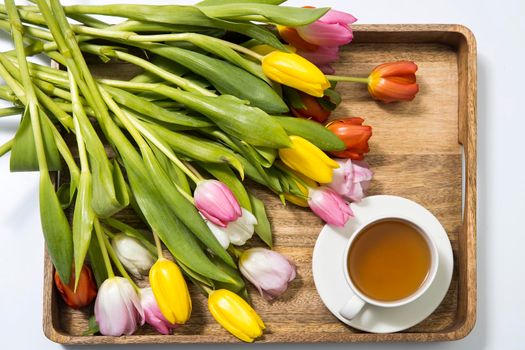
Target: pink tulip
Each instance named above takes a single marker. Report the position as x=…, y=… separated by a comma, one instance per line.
x=329, y=206
x=269, y=271
x=117, y=308
x=351, y=179
x=216, y=202
x=333, y=29
x=322, y=57
x=152, y=313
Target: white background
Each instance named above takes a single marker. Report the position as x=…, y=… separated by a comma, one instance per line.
x=499, y=27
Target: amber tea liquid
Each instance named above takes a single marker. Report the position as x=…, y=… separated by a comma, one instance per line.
x=389, y=260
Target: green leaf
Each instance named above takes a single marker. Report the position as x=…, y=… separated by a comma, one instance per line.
x=176, y=175
x=218, y=48
x=92, y=327
x=222, y=2
x=195, y=276
x=97, y=262
x=293, y=98
x=312, y=131
x=263, y=229
x=237, y=282
x=333, y=95
x=283, y=15
x=225, y=174
x=266, y=155
x=197, y=148
x=64, y=195
x=249, y=152
x=83, y=217
x=56, y=229
x=181, y=15
x=226, y=77
x=23, y=151
x=260, y=175
x=234, y=117
x=153, y=111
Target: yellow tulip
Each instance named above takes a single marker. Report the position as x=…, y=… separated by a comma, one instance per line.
x=170, y=290
x=293, y=70
x=235, y=315
x=307, y=159
x=300, y=201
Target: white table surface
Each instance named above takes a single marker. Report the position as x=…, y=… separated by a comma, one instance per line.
x=499, y=27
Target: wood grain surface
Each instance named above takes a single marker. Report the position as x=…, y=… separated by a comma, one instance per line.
x=416, y=152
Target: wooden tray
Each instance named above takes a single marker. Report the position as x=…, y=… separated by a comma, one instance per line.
x=418, y=151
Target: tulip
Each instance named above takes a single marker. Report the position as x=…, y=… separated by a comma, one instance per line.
x=308, y=160
x=322, y=57
x=216, y=202
x=133, y=255
x=295, y=71
x=329, y=206
x=351, y=179
x=394, y=81
x=117, y=308
x=333, y=29
x=171, y=291
x=84, y=294
x=269, y=271
x=312, y=109
x=319, y=42
x=237, y=232
x=293, y=38
x=152, y=313
x=235, y=315
x=354, y=135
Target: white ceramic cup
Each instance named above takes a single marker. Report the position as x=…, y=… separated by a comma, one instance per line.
x=356, y=303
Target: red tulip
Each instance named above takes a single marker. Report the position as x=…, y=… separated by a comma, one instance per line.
x=313, y=109
x=354, y=135
x=86, y=289
x=394, y=81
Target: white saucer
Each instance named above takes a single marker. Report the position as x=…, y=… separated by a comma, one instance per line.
x=328, y=273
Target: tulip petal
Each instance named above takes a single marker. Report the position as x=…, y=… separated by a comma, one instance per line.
x=235, y=315
x=329, y=34
x=267, y=270
x=308, y=160
x=396, y=68
x=329, y=206
x=390, y=91
x=334, y=16
x=322, y=56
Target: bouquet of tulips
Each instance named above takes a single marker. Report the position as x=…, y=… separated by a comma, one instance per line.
x=228, y=90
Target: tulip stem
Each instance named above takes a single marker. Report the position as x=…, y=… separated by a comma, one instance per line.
x=6, y=147
x=118, y=264
x=206, y=288
x=348, y=79
x=235, y=251
x=158, y=245
x=194, y=171
x=100, y=237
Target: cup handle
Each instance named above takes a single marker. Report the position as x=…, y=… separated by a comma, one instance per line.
x=352, y=307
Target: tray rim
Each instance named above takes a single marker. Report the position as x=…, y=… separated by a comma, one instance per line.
x=467, y=136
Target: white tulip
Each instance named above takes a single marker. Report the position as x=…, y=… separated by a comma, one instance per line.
x=237, y=232
x=133, y=255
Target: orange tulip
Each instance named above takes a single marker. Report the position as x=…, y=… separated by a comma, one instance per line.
x=86, y=289
x=394, y=81
x=354, y=135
